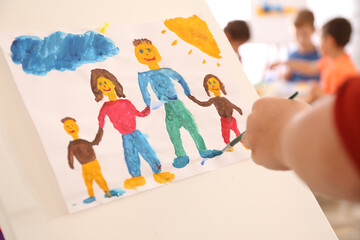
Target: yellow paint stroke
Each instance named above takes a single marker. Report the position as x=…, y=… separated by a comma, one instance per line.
x=174, y=43
x=204, y=61
x=218, y=64
x=163, y=31
x=103, y=29
x=190, y=52
x=194, y=31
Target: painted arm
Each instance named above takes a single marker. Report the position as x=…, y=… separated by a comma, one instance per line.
x=143, y=113
x=203, y=104
x=237, y=109
x=70, y=157
x=304, y=67
x=284, y=135
x=143, y=84
x=98, y=137
x=101, y=117
x=180, y=79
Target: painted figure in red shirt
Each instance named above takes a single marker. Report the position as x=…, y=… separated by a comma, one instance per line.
x=122, y=113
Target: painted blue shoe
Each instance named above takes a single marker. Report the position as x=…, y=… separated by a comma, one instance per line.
x=181, y=162
x=115, y=192
x=209, y=153
x=89, y=200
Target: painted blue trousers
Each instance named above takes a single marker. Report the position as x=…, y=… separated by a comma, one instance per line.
x=135, y=143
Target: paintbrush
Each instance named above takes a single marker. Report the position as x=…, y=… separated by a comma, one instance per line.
x=238, y=138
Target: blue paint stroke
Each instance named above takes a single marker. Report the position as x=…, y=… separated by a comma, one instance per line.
x=203, y=161
x=181, y=162
x=61, y=51
x=163, y=87
x=89, y=200
x=210, y=153
x=135, y=143
x=156, y=104
x=116, y=192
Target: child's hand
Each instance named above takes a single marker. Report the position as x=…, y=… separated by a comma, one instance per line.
x=265, y=126
x=275, y=65
x=98, y=136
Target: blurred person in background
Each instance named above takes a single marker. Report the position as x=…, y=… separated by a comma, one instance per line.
x=335, y=66
x=306, y=50
x=238, y=33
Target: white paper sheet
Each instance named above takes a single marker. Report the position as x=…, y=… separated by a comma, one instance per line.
x=60, y=94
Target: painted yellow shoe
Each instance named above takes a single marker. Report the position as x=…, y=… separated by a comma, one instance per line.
x=134, y=182
x=230, y=150
x=164, y=177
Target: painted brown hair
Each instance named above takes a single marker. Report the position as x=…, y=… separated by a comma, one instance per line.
x=140, y=41
x=67, y=118
x=97, y=73
x=206, y=78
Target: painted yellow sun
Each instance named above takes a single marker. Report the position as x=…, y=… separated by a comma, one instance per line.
x=194, y=31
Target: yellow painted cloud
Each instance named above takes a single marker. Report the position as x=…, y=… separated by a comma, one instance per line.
x=194, y=31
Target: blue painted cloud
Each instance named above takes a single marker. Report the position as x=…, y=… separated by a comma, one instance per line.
x=61, y=51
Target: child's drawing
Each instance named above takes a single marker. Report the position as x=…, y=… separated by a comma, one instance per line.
x=61, y=51
x=223, y=106
x=177, y=115
x=84, y=152
x=64, y=71
x=122, y=113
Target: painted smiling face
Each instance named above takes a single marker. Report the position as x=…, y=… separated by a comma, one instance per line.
x=71, y=127
x=147, y=54
x=214, y=86
x=105, y=86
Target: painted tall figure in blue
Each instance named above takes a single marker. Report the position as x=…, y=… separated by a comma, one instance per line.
x=177, y=115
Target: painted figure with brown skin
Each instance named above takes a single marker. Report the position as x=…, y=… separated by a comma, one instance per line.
x=84, y=152
x=223, y=106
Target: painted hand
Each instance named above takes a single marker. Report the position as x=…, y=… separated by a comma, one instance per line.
x=98, y=137
x=155, y=105
x=191, y=97
x=275, y=65
x=265, y=127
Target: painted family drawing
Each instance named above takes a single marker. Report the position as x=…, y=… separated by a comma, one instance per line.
x=124, y=109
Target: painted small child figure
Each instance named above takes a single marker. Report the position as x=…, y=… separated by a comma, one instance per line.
x=223, y=106
x=84, y=152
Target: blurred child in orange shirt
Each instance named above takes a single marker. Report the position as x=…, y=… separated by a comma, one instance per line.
x=336, y=65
